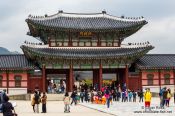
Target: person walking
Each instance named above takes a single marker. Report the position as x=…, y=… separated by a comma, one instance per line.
x=164, y=97
x=86, y=96
x=114, y=94
x=33, y=102
x=37, y=101
x=123, y=96
x=7, y=108
x=66, y=100
x=126, y=96
x=161, y=96
x=73, y=96
x=168, y=97
x=174, y=97
x=82, y=96
x=108, y=98
x=130, y=96
x=147, y=96
x=118, y=96
x=43, y=101
x=134, y=96
x=141, y=96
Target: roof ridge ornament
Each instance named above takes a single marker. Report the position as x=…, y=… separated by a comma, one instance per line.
x=104, y=12
x=60, y=11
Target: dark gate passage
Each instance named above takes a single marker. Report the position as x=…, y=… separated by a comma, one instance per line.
x=69, y=77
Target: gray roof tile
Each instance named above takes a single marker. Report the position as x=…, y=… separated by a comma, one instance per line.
x=86, y=22
x=15, y=62
x=156, y=61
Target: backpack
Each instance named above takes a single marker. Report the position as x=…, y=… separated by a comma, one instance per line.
x=81, y=95
x=66, y=100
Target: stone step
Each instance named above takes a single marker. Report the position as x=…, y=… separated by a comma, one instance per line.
x=50, y=97
x=54, y=97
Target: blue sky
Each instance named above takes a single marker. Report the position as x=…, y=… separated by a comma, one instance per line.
x=160, y=30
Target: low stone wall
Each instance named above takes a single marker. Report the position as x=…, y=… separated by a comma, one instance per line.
x=20, y=97
x=15, y=91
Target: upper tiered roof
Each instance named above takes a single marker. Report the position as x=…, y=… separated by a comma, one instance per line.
x=95, y=22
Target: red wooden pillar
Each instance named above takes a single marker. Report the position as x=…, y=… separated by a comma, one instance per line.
x=28, y=82
x=94, y=77
x=140, y=80
x=44, y=77
x=100, y=77
x=126, y=77
x=7, y=75
x=159, y=79
x=67, y=82
x=70, y=79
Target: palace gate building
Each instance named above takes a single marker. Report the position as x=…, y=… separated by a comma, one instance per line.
x=85, y=42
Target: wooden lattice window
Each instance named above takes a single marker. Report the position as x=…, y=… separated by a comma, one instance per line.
x=18, y=81
x=1, y=78
x=150, y=79
x=167, y=79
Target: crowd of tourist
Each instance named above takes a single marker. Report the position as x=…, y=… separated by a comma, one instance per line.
x=109, y=94
x=54, y=88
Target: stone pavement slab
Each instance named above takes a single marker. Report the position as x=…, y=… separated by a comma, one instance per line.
x=134, y=109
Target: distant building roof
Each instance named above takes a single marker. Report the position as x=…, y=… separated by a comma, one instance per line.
x=15, y=62
x=156, y=61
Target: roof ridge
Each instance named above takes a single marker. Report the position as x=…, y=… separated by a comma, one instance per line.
x=84, y=15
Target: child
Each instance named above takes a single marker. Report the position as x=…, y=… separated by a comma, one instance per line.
x=130, y=96
x=147, y=97
x=168, y=98
x=66, y=102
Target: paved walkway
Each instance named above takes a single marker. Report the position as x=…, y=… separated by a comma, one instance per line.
x=55, y=108
x=134, y=109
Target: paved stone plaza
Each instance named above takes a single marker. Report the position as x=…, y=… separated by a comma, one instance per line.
x=55, y=108
x=134, y=109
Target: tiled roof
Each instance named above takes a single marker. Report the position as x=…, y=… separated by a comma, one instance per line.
x=85, y=22
x=156, y=61
x=15, y=62
x=86, y=52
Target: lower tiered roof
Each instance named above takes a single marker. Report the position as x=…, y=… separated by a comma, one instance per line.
x=148, y=61
x=85, y=53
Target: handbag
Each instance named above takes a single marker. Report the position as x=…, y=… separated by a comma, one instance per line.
x=15, y=114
